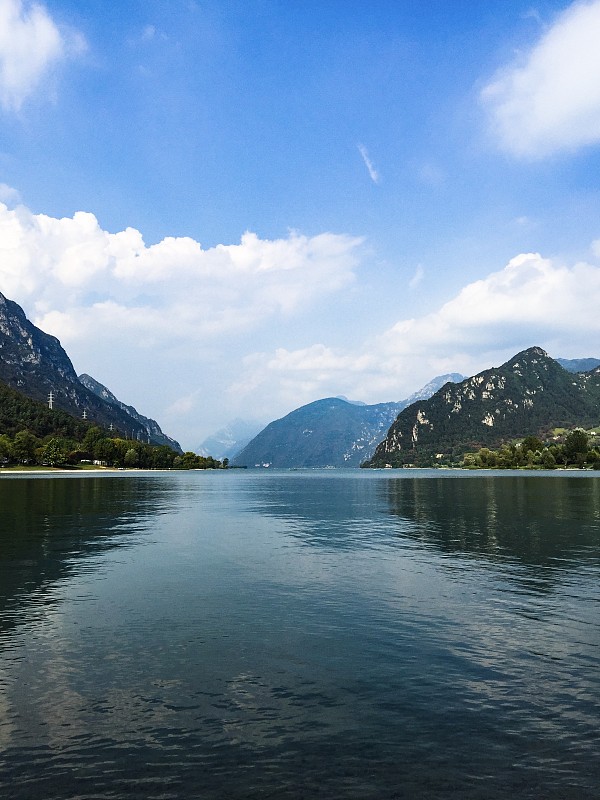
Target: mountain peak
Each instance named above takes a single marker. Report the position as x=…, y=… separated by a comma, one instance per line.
x=329, y=432
x=529, y=394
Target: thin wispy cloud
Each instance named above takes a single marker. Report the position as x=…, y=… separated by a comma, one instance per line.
x=417, y=277
x=373, y=173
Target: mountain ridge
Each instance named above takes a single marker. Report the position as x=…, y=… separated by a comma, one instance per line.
x=528, y=395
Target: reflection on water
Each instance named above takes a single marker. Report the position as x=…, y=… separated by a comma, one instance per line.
x=292, y=635
x=47, y=526
x=539, y=522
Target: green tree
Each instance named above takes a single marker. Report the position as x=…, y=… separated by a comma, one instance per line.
x=104, y=450
x=190, y=460
x=24, y=447
x=6, y=449
x=131, y=458
x=162, y=457
x=576, y=443
x=53, y=453
x=548, y=460
x=92, y=437
x=531, y=443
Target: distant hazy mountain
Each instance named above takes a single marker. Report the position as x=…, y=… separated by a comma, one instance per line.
x=227, y=442
x=530, y=394
x=579, y=364
x=150, y=426
x=432, y=387
x=329, y=432
x=35, y=364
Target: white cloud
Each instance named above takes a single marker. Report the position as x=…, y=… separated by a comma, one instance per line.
x=194, y=336
x=373, y=173
x=78, y=277
x=31, y=45
x=532, y=301
x=165, y=326
x=550, y=100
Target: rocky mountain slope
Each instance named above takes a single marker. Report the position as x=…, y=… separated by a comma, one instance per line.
x=330, y=432
x=35, y=364
x=530, y=394
x=150, y=426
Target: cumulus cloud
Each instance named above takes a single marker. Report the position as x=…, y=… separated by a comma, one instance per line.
x=31, y=45
x=550, y=100
x=532, y=301
x=128, y=312
x=77, y=278
x=196, y=336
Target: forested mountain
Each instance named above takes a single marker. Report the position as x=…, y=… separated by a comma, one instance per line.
x=35, y=364
x=33, y=434
x=330, y=432
x=20, y=413
x=529, y=395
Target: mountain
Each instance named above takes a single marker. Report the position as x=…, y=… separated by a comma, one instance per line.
x=150, y=426
x=530, y=394
x=329, y=432
x=579, y=364
x=35, y=364
x=227, y=442
x=432, y=387
x=21, y=413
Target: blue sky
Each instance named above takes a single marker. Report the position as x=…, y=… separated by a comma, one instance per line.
x=228, y=209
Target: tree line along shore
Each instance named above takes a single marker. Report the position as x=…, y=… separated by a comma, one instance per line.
x=96, y=448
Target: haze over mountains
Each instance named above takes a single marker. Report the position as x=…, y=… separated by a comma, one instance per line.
x=35, y=364
x=228, y=441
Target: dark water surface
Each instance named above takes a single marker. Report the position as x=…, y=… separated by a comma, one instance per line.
x=335, y=634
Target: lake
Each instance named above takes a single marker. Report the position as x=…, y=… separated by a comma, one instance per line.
x=332, y=634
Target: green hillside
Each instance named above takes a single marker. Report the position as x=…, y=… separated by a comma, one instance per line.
x=529, y=395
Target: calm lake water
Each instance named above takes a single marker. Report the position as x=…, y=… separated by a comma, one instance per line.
x=333, y=634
